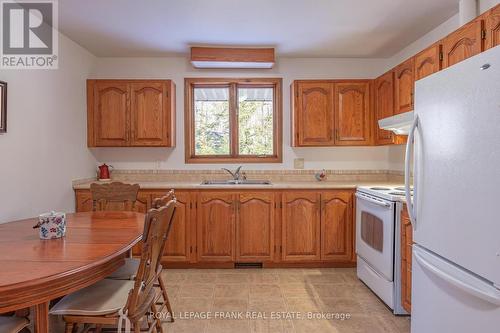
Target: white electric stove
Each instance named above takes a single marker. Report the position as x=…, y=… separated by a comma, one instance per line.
x=378, y=210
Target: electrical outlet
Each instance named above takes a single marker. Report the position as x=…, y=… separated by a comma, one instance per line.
x=298, y=163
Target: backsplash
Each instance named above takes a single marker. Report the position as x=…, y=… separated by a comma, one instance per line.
x=273, y=175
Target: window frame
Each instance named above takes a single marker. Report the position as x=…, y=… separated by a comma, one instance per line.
x=233, y=84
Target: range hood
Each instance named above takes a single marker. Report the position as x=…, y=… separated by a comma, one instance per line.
x=399, y=124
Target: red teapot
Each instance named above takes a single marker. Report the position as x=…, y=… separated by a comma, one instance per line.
x=104, y=171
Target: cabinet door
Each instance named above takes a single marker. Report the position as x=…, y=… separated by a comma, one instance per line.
x=83, y=201
x=141, y=205
x=314, y=124
x=143, y=202
x=255, y=227
x=406, y=247
x=428, y=62
x=462, y=44
x=352, y=113
x=216, y=226
x=404, y=86
x=492, y=27
x=384, y=106
x=178, y=245
x=149, y=114
x=337, y=226
x=301, y=226
x=111, y=113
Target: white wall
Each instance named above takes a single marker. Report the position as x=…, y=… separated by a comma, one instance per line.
x=361, y=158
x=45, y=144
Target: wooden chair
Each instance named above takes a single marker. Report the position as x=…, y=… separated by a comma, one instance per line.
x=119, y=302
x=113, y=196
x=13, y=324
x=129, y=269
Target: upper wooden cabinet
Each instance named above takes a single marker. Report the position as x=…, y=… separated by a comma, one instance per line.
x=428, y=61
x=462, y=43
x=130, y=113
x=337, y=225
x=108, y=113
x=255, y=226
x=313, y=113
x=404, y=81
x=384, y=105
x=352, y=113
x=492, y=27
x=331, y=113
x=301, y=226
x=216, y=217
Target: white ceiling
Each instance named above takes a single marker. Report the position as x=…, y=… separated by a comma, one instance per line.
x=297, y=28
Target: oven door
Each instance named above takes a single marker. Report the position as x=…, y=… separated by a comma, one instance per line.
x=375, y=233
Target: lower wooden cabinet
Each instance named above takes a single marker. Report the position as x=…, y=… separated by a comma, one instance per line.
x=406, y=250
x=301, y=226
x=83, y=201
x=178, y=247
x=216, y=221
x=337, y=226
x=255, y=226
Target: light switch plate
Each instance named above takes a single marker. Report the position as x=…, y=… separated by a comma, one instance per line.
x=298, y=163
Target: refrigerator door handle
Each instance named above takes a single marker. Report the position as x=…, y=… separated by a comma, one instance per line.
x=409, y=145
x=457, y=276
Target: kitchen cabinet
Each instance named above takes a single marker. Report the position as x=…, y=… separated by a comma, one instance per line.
x=492, y=28
x=255, y=227
x=313, y=113
x=178, y=247
x=337, y=225
x=331, y=113
x=406, y=260
x=384, y=105
x=110, y=116
x=352, y=113
x=150, y=117
x=404, y=86
x=272, y=227
x=216, y=219
x=462, y=43
x=428, y=61
x=130, y=113
x=83, y=201
x=301, y=223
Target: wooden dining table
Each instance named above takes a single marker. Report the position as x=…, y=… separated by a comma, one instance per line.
x=33, y=271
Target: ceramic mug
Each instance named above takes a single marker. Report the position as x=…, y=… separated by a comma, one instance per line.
x=52, y=225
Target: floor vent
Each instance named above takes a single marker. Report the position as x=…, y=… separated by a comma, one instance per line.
x=248, y=265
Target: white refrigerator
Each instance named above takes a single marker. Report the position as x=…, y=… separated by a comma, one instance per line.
x=456, y=206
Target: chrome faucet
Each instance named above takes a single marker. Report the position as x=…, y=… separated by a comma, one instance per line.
x=236, y=174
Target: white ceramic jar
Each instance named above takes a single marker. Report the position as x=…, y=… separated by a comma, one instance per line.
x=52, y=225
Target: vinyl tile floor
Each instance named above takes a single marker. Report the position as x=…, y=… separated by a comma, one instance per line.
x=274, y=300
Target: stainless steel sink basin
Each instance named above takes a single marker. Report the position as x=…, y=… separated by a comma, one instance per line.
x=236, y=182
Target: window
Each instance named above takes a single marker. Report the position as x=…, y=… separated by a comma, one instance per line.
x=233, y=120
